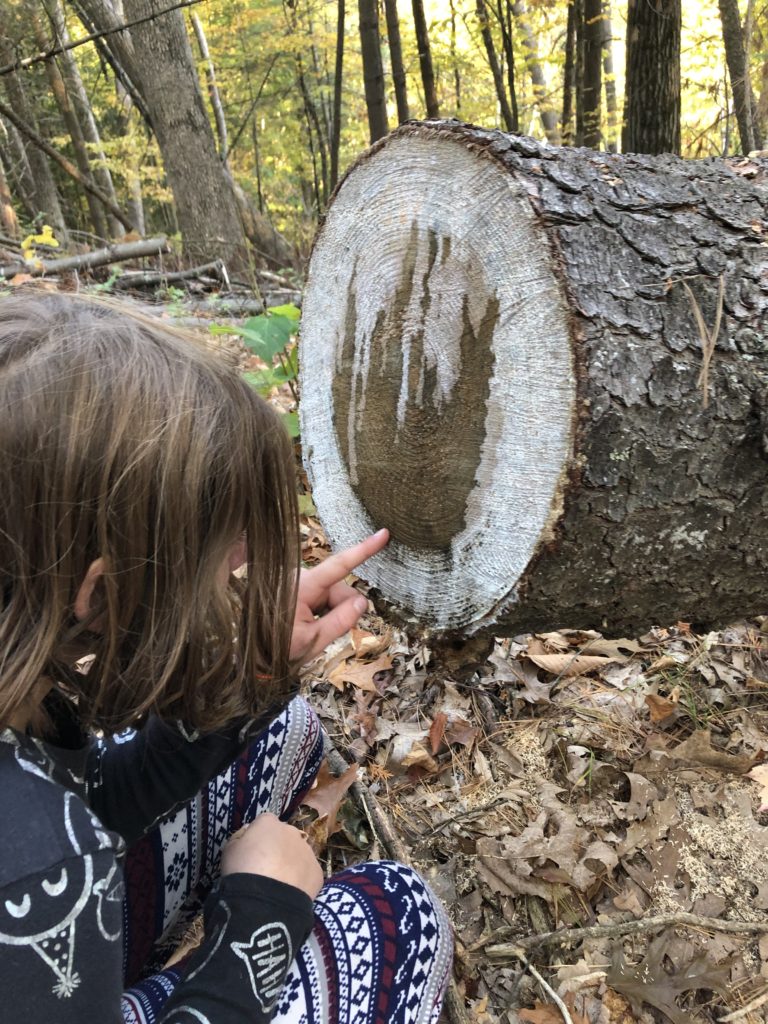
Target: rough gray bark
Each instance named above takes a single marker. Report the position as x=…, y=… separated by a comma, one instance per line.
x=661, y=509
x=373, y=70
x=205, y=201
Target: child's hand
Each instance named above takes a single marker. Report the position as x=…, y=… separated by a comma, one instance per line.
x=271, y=848
x=323, y=588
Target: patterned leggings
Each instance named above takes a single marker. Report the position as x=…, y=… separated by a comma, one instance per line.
x=381, y=948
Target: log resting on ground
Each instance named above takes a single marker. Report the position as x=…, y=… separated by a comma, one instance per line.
x=501, y=363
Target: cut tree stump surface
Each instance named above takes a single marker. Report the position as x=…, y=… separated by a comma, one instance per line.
x=501, y=360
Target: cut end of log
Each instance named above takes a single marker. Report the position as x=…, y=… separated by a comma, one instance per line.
x=439, y=387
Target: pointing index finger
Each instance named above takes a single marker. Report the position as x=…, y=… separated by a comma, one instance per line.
x=335, y=568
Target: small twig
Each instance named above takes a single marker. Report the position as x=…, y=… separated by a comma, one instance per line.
x=607, y=931
x=549, y=991
x=708, y=338
x=753, y=1004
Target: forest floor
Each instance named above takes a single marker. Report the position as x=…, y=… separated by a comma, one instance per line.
x=566, y=780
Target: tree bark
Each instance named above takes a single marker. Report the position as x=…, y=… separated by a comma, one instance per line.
x=506, y=371
x=396, y=59
x=652, y=91
x=203, y=192
x=738, y=72
x=373, y=70
x=504, y=14
x=593, y=72
x=338, y=78
x=425, y=59
x=498, y=80
x=88, y=260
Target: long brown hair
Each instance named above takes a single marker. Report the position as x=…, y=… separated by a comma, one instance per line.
x=126, y=439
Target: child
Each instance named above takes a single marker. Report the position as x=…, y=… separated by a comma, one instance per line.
x=136, y=472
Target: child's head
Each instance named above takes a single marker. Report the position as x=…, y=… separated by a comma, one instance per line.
x=125, y=440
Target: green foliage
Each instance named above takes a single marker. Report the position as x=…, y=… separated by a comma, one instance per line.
x=271, y=337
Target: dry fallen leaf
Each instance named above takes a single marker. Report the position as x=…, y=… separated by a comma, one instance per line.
x=361, y=673
x=760, y=775
x=698, y=749
x=569, y=664
x=326, y=797
x=662, y=708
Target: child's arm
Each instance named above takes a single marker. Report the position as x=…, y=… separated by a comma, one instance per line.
x=130, y=785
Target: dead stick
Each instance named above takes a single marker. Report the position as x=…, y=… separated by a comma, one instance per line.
x=88, y=260
x=607, y=931
x=454, y=1004
x=144, y=280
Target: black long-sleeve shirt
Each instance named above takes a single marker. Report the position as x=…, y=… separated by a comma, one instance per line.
x=66, y=814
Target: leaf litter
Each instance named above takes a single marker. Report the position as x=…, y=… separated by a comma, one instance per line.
x=569, y=780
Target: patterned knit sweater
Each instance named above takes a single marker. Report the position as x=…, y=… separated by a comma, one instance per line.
x=67, y=810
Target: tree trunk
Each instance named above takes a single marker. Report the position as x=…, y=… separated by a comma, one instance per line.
x=23, y=183
x=652, y=91
x=338, y=78
x=540, y=88
x=425, y=59
x=396, y=59
x=569, y=76
x=498, y=80
x=593, y=72
x=9, y=224
x=454, y=57
x=506, y=370
x=44, y=193
x=611, y=105
x=72, y=122
x=203, y=192
x=85, y=116
x=738, y=72
x=373, y=71
x=504, y=14
x=213, y=87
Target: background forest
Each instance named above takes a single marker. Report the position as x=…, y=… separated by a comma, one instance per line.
x=295, y=89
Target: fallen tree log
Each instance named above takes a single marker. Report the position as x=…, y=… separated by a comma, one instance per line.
x=501, y=360
x=88, y=260
x=150, y=279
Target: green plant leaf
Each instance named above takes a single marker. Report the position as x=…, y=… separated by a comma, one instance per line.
x=265, y=336
x=306, y=505
x=289, y=311
x=291, y=421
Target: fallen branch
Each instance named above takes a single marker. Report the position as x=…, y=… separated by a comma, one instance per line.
x=140, y=279
x=453, y=1006
x=87, y=260
x=564, y=936
x=750, y=1007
